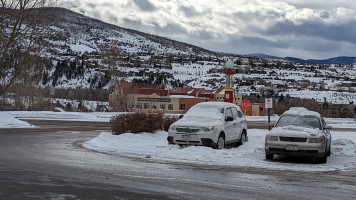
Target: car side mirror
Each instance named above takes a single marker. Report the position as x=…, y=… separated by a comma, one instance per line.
x=181, y=116
x=270, y=125
x=229, y=119
x=328, y=127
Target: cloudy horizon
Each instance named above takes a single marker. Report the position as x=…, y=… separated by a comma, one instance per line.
x=315, y=29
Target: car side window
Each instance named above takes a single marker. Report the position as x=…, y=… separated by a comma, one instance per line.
x=323, y=123
x=234, y=113
x=228, y=113
x=240, y=114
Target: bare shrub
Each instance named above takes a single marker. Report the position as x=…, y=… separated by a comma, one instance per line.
x=136, y=123
x=23, y=25
x=168, y=120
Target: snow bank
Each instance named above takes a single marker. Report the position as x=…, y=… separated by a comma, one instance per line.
x=64, y=116
x=8, y=121
x=250, y=154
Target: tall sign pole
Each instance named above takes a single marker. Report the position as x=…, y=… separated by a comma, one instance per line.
x=51, y=92
x=268, y=106
x=229, y=88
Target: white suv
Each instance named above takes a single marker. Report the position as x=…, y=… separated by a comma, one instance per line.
x=213, y=124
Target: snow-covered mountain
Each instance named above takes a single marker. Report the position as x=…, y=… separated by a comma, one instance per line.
x=83, y=49
x=341, y=60
x=88, y=53
x=79, y=32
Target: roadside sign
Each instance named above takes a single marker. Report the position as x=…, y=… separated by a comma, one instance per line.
x=51, y=91
x=268, y=103
x=245, y=105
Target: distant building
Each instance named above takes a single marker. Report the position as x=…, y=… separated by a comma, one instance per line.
x=220, y=94
x=155, y=97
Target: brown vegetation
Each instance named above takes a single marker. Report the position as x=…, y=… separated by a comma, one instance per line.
x=21, y=39
x=140, y=122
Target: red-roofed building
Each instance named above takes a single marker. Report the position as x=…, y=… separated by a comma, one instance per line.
x=181, y=91
x=220, y=95
x=157, y=98
x=196, y=92
x=147, y=91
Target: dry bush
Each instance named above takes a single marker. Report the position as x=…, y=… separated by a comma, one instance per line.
x=136, y=123
x=168, y=120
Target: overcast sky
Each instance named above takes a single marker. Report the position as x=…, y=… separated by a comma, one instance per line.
x=298, y=28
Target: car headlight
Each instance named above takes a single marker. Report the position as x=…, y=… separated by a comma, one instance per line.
x=271, y=138
x=316, y=140
x=173, y=128
x=207, y=129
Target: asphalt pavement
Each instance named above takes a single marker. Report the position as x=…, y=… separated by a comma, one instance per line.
x=50, y=163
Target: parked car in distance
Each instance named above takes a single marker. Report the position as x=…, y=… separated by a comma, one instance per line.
x=213, y=124
x=299, y=132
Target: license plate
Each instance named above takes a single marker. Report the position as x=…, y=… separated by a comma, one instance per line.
x=292, y=147
x=186, y=137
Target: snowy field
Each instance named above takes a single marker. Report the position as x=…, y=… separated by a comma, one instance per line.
x=155, y=146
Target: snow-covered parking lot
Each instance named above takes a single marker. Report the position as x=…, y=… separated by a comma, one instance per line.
x=250, y=154
x=154, y=146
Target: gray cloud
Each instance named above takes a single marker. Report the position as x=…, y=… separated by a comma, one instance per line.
x=333, y=32
x=307, y=29
x=166, y=31
x=145, y=5
x=189, y=11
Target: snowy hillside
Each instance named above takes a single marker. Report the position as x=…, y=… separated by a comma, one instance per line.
x=86, y=53
x=82, y=49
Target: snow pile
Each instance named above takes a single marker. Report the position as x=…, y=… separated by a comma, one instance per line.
x=251, y=154
x=67, y=116
x=344, y=146
x=8, y=121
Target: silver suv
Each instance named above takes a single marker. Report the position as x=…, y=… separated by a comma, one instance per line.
x=299, y=132
x=213, y=124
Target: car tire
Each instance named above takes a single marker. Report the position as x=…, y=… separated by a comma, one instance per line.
x=170, y=140
x=269, y=156
x=242, y=139
x=329, y=151
x=325, y=157
x=220, y=144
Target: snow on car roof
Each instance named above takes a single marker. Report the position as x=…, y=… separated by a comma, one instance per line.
x=301, y=111
x=208, y=109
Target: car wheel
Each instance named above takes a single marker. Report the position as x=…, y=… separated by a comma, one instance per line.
x=243, y=139
x=269, y=156
x=170, y=140
x=221, y=142
x=324, y=158
x=329, y=151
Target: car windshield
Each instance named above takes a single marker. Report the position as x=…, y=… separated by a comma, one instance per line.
x=205, y=112
x=299, y=120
